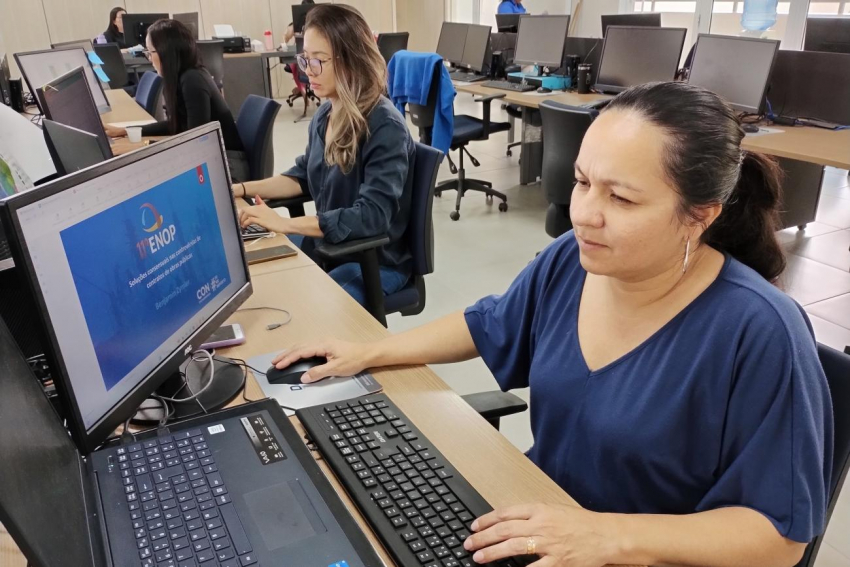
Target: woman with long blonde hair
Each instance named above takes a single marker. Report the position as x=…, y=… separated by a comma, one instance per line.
x=358, y=153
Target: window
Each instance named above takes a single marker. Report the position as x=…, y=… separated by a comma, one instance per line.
x=726, y=20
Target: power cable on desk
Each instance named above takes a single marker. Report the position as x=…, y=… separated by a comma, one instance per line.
x=245, y=367
x=272, y=326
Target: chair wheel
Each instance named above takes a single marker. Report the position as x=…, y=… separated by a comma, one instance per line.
x=454, y=215
x=475, y=162
x=503, y=207
x=509, y=153
x=489, y=199
x=453, y=169
x=289, y=102
x=438, y=193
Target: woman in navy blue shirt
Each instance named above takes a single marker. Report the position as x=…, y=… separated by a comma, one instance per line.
x=675, y=393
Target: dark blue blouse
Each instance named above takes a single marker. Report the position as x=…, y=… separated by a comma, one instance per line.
x=726, y=405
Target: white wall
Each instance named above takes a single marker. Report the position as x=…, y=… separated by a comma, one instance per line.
x=587, y=20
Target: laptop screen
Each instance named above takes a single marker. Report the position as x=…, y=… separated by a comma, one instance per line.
x=41, y=491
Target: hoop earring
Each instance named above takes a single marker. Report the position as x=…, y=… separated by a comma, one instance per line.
x=687, y=256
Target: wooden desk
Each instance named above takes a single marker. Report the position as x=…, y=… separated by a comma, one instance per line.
x=804, y=143
x=124, y=108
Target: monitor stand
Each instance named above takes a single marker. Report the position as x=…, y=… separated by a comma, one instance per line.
x=228, y=381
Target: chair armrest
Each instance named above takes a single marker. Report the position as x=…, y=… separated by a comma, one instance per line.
x=487, y=100
x=295, y=205
x=351, y=247
x=494, y=405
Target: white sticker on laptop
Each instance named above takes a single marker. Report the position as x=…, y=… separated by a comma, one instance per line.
x=216, y=429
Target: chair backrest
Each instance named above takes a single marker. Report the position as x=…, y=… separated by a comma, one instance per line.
x=148, y=91
x=836, y=366
x=422, y=116
x=563, y=130
x=255, y=124
x=389, y=43
x=113, y=64
x=212, y=56
x=420, y=232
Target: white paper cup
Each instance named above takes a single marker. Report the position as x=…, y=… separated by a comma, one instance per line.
x=134, y=134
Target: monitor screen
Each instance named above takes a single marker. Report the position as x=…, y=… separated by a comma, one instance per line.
x=828, y=34
x=41, y=67
x=68, y=100
x=823, y=93
x=507, y=22
x=299, y=16
x=637, y=55
x=134, y=262
x=735, y=68
x=84, y=43
x=475, y=49
x=190, y=20
x=642, y=20
x=540, y=40
x=136, y=27
x=5, y=77
x=452, y=41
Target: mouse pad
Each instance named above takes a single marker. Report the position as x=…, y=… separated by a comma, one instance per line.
x=300, y=396
x=283, y=514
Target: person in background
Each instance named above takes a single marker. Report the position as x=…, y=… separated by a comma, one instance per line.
x=191, y=96
x=675, y=393
x=115, y=31
x=359, y=152
x=511, y=7
x=290, y=29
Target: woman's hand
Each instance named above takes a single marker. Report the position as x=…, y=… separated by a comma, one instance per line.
x=114, y=131
x=562, y=536
x=264, y=216
x=344, y=359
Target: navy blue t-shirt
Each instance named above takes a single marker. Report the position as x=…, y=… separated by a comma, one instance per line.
x=726, y=405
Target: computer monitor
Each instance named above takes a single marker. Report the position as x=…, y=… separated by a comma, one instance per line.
x=476, y=47
x=735, y=68
x=636, y=55
x=84, y=43
x=133, y=263
x=452, y=41
x=540, y=40
x=827, y=34
x=190, y=20
x=41, y=67
x=299, y=16
x=507, y=22
x=68, y=100
x=652, y=20
x=5, y=77
x=587, y=49
x=70, y=148
x=822, y=94
x=136, y=27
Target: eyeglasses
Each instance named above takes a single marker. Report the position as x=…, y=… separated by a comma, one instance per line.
x=314, y=64
x=147, y=54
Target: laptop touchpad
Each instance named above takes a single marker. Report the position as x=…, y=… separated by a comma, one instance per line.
x=283, y=514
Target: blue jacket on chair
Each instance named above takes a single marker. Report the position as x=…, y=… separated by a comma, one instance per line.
x=410, y=75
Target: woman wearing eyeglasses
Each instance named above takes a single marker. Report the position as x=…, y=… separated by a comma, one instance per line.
x=191, y=96
x=358, y=154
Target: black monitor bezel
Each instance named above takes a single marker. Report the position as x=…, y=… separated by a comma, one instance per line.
x=615, y=89
x=736, y=106
x=75, y=43
x=136, y=18
x=487, y=51
x=551, y=65
x=512, y=26
x=638, y=15
x=823, y=21
x=88, y=440
x=440, y=37
x=300, y=11
x=34, y=89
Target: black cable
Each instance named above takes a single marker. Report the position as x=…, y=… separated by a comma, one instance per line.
x=245, y=366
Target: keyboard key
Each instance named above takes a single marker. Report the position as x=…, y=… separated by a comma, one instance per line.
x=181, y=543
x=206, y=555
x=225, y=554
x=201, y=545
x=247, y=559
x=235, y=529
x=184, y=554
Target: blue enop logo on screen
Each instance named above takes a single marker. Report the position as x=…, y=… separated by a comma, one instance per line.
x=152, y=222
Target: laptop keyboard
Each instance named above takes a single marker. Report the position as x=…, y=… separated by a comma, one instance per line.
x=181, y=512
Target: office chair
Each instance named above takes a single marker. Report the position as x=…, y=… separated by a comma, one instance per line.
x=113, y=65
x=302, y=90
x=212, y=56
x=836, y=366
x=514, y=113
x=255, y=124
x=390, y=43
x=148, y=91
x=466, y=129
x=421, y=180
x=563, y=130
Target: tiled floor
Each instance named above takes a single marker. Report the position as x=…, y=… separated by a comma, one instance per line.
x=483, y=252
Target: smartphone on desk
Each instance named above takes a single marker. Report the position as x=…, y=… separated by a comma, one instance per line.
x=228, y=335
x=268, y=254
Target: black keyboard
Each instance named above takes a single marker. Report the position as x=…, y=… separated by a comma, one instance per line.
x=509, y=86
x=415, y=500
x=466, y=77
x=180, y=510
x=254, y=231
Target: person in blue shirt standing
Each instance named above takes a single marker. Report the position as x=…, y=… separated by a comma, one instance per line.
x=676, y=394
x=511, y=7
x=359, y=153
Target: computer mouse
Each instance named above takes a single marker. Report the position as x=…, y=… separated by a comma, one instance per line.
x=292, y=373
x=749, y=128
x=544, y=90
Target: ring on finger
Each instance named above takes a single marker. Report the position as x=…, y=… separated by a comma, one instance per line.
x=530, y=546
